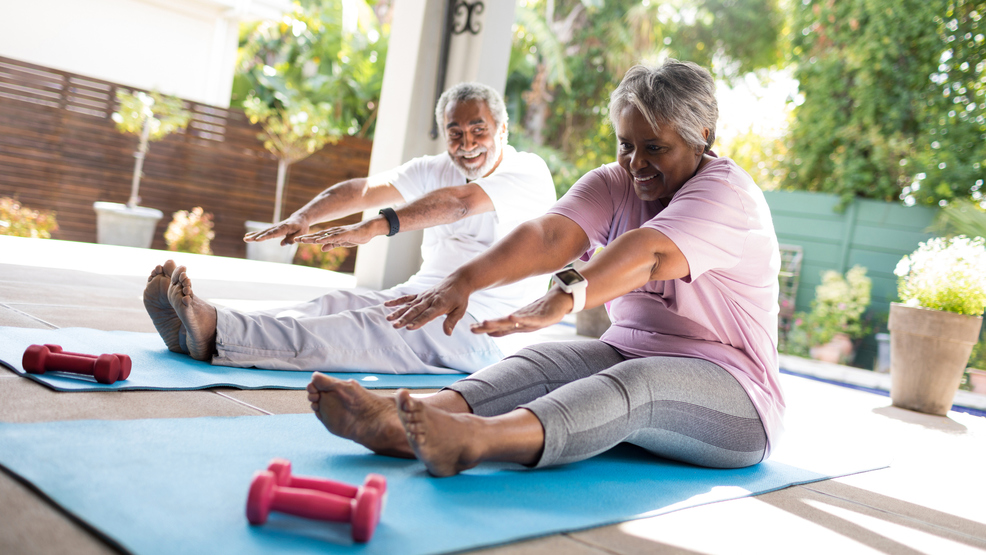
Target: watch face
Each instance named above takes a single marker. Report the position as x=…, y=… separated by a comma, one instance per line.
x=569, y=276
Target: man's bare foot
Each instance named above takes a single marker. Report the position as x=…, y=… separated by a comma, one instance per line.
x=445, y=442
x=197, y=315
x=159, y=308
x=350, y=411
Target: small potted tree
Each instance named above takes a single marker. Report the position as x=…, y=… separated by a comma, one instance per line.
x=935, y=325
x=151, y=117
x=292, y=133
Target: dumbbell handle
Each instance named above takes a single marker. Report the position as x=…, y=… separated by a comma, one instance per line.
x=70, y=362
x=311, y=504
x=325, y=486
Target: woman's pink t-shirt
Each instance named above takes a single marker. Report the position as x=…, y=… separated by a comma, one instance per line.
x=725, y=311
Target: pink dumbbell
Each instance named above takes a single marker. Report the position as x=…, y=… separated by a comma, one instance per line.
x=282, y=471
x=105, y=368
x=362, y=511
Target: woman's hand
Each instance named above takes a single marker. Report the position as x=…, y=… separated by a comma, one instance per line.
x=450, y=297
x=544, y=312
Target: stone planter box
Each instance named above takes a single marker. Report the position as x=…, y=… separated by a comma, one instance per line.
x=269, y=251
x=118, y=224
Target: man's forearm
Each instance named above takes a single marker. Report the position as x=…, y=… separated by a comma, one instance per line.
x=348, y=197
x=444, y=206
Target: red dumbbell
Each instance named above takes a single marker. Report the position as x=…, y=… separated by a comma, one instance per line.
x=282, y=471
x=105, y=368
x=362, y=511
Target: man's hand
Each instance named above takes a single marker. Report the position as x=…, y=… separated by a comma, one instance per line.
x=289, y=229
x=546, y=311
x=344, y=235
x=449, y=297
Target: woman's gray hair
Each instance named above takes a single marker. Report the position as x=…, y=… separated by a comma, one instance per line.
x=679, y=94
x=472, y=91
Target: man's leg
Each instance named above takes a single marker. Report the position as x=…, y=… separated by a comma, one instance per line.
x=347, y=331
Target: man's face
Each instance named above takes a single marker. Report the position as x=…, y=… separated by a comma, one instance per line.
x=472, y=139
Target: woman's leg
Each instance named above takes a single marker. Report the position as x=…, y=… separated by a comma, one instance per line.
x=684, y=409
x=371, y=419
x=533, y=372
x=496, y=430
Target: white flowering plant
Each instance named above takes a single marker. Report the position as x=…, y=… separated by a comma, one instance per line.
x=946, y=274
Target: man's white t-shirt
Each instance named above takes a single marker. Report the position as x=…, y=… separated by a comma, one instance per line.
x=521, y=189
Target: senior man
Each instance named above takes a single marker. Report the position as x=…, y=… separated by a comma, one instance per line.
x=465, y=199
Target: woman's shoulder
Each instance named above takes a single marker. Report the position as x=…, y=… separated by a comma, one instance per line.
x=609, y=175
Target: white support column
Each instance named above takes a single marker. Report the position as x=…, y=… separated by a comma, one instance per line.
x=407, y=104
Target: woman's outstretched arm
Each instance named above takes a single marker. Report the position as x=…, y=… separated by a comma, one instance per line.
x=629, y=262
x=534, y=248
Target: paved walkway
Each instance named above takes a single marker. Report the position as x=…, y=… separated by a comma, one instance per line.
x=930, y=499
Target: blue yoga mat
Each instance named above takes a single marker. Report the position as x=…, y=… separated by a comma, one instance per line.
x=179, y=486
x=155, y=367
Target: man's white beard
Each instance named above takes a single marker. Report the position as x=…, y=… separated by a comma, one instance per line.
x=491, y=159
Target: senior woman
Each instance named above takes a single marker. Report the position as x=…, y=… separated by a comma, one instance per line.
x=688, y=369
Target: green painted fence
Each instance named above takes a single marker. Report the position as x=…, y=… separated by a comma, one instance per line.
x=869, y=233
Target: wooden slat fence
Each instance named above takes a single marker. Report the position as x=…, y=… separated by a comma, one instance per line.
x=59, y=150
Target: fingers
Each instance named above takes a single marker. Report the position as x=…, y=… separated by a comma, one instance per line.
x=406, y=299
x=452, y=319
x=265, y=234
x=500, y=326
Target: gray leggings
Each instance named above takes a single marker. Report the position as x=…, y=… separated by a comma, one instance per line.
x=589, y=398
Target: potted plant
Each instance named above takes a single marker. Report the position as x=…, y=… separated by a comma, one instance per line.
x=836, y=322
x=292, y=133
x=935, y=325
x=151, y=117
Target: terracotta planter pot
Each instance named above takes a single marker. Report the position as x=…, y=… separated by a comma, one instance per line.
x=929, y=350
x=977, y=379
x=837, y=351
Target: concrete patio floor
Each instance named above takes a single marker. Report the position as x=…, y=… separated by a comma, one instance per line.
x=930, y=499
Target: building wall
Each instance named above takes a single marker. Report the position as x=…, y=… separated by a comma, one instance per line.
x=182, y=47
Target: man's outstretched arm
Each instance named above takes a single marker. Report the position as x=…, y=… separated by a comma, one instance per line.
x=341, y=199
x=442, y=206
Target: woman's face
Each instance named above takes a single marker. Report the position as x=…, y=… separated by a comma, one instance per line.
x=659, y=163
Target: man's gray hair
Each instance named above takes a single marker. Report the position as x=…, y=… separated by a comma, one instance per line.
x=679, y=94
x=472, y=91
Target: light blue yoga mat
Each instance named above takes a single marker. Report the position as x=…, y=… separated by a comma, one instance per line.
x=180, y=485
x=155, y=367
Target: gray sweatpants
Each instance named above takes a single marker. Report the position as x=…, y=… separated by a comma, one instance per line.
x=589, y=398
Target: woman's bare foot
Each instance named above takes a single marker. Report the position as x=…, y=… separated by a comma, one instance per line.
x=159, y=308
x=350, y=411
x=197, y=315
x=447, y=443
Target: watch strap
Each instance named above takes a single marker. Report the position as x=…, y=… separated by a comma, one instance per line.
x=391, y=216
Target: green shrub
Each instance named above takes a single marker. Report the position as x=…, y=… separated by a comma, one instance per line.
x=20, y=221
x=190, y=231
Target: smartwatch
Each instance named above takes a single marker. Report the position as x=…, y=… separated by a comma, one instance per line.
x=573, y=283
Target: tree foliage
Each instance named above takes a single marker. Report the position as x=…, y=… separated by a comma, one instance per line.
x=568, y=55
x=326, y=52
x=892, y=99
